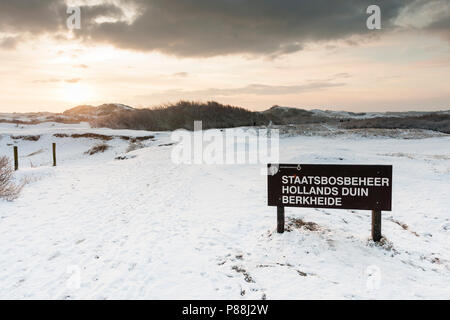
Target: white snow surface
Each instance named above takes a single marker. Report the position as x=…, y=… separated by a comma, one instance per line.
x=146, y=228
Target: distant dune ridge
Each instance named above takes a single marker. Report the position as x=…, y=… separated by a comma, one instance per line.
x=216, y=115
x=102, y=110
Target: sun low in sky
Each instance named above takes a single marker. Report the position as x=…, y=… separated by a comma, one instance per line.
x=249, y=53
x=77, y=93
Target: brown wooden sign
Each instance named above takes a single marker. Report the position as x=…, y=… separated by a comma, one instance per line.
x=365, y=187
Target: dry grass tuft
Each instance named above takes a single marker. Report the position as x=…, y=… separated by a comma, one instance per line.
x=26, y=138
x=8, y=189
x=297, y=223
x=97, y=149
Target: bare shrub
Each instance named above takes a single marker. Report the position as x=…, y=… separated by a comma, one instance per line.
x=144, y=138
x=84, y=135
x=102, y=137
x=8, y=189
x=97, y=149
x=247, y=276
x=26, y=138
x=134, y=146
x=52, y=118
x=297, y=223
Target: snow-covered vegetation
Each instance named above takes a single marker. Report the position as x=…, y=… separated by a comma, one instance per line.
x=9, y=190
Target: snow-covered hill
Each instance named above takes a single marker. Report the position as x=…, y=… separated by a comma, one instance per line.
x=101, y=110
x=369, y=115
x=335, y=114
x=144, y=227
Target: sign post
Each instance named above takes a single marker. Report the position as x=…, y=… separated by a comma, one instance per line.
x=359, y=187
x=376, y=225
x=280, y=219
x=16, y=158
x=54, y=154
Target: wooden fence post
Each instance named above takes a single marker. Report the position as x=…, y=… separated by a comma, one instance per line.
x=376, y=225
x=54, y=154
x=16, y=158
x=280, y=219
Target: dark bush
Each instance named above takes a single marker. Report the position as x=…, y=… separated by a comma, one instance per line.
x=182, y=116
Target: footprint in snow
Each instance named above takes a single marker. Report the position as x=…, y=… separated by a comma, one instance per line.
x=53, y=256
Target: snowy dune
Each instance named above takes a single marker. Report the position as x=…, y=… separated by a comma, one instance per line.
x=145, y=228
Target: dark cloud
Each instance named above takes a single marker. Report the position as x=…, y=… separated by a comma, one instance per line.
x=431, y=15
x=205, y=28
x=441, y=25
x=208, y=28
x=31, y=16
x=46, y=16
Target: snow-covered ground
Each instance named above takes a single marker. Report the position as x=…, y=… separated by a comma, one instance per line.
x=146, y=228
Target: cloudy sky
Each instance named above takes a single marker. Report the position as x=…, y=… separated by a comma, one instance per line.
x=250, y=53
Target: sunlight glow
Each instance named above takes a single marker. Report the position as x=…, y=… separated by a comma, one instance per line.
x=76, y=93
